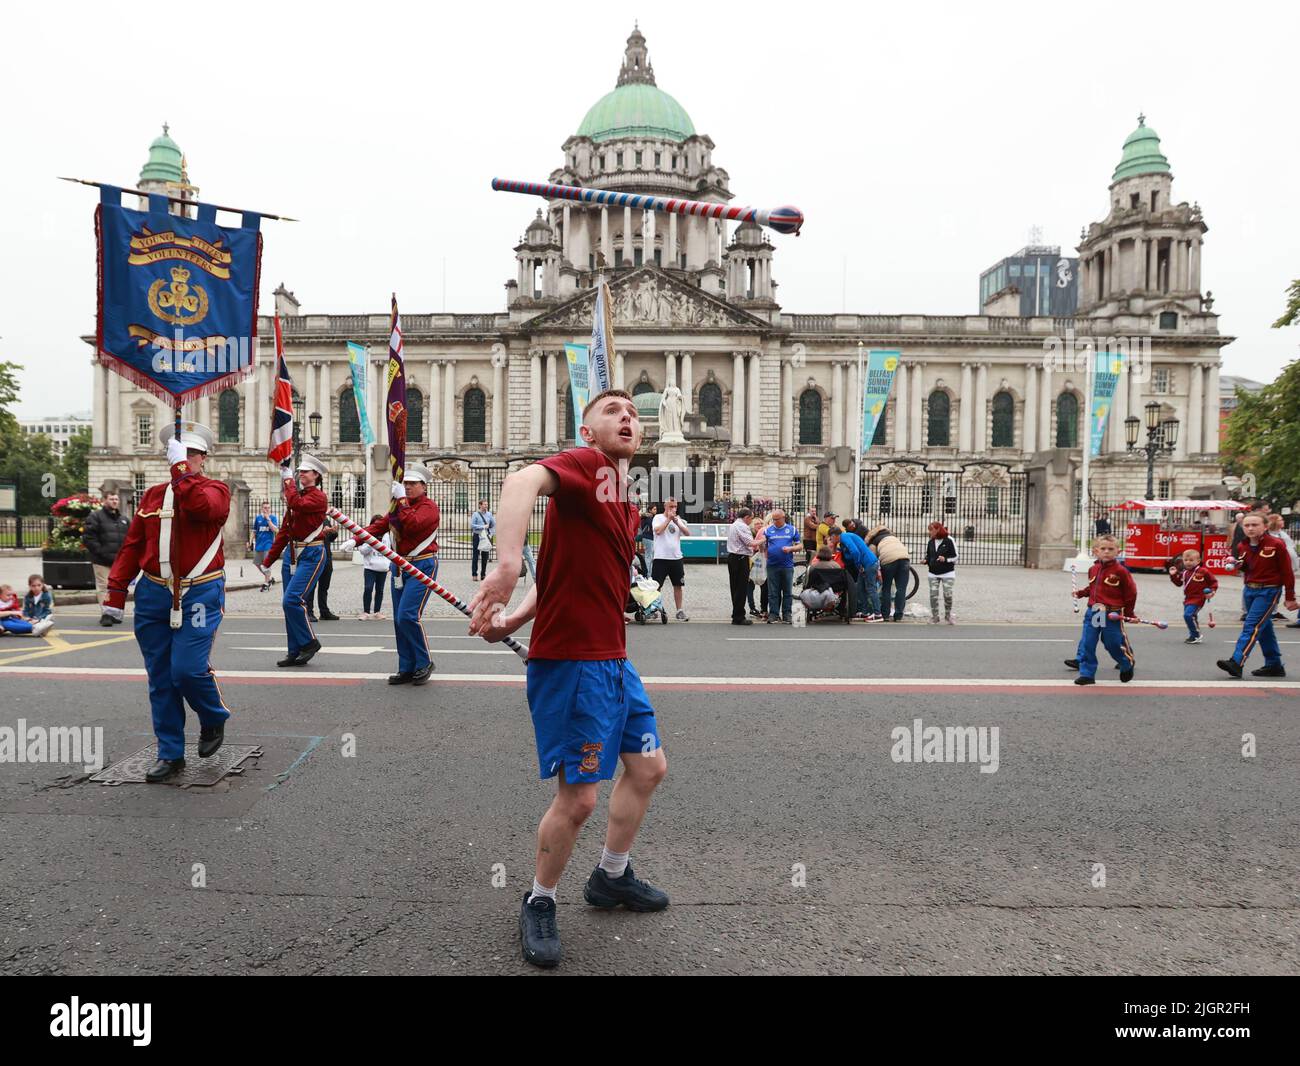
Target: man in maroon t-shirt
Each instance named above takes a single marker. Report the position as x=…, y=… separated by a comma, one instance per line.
x=588, y=706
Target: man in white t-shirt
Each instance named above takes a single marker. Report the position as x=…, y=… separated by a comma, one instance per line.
x=669, y=528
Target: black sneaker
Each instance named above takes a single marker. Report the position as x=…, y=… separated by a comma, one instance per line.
x=538, y=936
x=629, y=890
x=1084, y=681
x=1192, y=640
x=1073, y=664
x=1230, y=666
x=1269, y=671
x=1126, y=675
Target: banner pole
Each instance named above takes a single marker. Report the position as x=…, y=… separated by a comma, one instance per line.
x=857, y=445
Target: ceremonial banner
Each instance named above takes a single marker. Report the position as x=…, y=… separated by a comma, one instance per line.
x=357, y=361
x=877, y=381
x=177, y=297
x=579, y=383
x=280, y=449
x=602, y=342
x=395, y=407
x=1107, y=368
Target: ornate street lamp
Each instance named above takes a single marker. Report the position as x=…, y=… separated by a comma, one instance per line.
x=1161, y=439
x=299, y=416
x=315, y=421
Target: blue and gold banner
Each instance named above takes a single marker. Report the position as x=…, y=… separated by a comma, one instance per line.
x=357, y=361
x=1107, y=368
x=578, y=357
x=177, y=312
x=878, y=379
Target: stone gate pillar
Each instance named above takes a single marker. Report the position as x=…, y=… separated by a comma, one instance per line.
x=1049, y=538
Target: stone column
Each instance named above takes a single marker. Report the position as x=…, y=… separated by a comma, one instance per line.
x=550, y=401
x=535, y=391
x=981, y=408
x=449, y=407
x=99, y=407
x=753, y=421
x=787, y=411
x=670, y=247
x=606, y=246
x=1190, y=438
x=900, y=407
x=738, y=400
x=648, y=235
x=688, y=378
x=250, y=411
x=1210, y=417
x=203, y=412
x=265, y=392
x=853, y=407
x=837, y=405
x=619, y=373
x=499, y=405
x=1196, y=266
x=625, y=253
x=916, y=420
x=310, y=398
x=434, y=404
x=326, y=402
x=1135, y=405
x=967, y=404
x=1045, y=411
x=564, y=237
x=670, y=365
x=379, y=399
x=1029, y=434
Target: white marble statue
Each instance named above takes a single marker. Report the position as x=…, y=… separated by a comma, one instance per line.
x=672, y=409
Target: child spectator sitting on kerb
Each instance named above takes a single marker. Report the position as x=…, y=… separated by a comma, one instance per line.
x=34, y=617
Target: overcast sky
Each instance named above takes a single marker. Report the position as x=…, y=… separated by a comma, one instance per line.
x=921, y=141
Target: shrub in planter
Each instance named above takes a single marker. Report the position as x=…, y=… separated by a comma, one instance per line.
x=65, y=562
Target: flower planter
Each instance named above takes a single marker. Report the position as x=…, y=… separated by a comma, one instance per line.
x=67, y=570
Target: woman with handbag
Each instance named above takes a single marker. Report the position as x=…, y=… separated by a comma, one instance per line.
x=375, y=572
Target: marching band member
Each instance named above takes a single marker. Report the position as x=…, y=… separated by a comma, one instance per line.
x=415, y=525
x=301, y=542
x=176, y=539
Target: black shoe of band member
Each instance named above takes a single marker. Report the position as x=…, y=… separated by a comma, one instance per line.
x=163, y=769
x=421, y=677
x=106, y=621
x=742, y=622
x=328, y=616
x=210, y=740
x=1084, y=681
x=1269, y=671
x=1126, y=675
x=307, y=651
x=629, y=890
x=538, y=936
x=289, y=660
x=1230, y=666
x=404, y=678
x=1073, y=664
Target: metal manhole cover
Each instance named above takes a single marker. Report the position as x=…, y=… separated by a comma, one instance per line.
x=228, y=761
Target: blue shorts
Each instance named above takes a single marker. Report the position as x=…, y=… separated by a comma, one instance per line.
x=585, y=714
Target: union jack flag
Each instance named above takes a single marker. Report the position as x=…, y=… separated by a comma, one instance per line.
x=281, y=447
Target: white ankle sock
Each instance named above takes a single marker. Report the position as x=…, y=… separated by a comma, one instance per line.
x=540, y=890
x=613, y=862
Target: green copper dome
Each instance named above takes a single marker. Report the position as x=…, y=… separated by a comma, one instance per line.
x=164, y=160
x=1141, y=154
x=637, y=110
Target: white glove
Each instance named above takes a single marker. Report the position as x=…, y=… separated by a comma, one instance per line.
x=286, y=471
x=399, y=491
x=176, y=452
x=348, y=546
x=113, y=612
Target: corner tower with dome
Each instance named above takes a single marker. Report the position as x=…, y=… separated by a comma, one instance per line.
x=981, y=429
x=165, y=172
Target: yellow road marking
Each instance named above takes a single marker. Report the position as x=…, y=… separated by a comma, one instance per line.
x=59, y=646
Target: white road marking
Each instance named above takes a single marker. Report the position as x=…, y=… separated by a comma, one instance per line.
x=923, y=640
x=370, y=650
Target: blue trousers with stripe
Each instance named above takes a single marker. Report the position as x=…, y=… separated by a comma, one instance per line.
x=176, y=660
x=1258, y=627
x=1112, y=635
x=409, y=598
x=299, y=583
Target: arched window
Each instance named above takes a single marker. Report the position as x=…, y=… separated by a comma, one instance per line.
x=349, y=421
x=414, y=415
x=642, y=387
x=475, y=417
x=810, y=417
x=711, y=403
x=881, y=431
x=1067, y=420
x=228, y=417
x=569, y=428
x=937, y=429
x=1004, y=420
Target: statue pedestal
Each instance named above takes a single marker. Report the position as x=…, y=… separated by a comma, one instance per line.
x=672, y=454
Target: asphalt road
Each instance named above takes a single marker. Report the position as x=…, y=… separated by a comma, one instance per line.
x=779, y=746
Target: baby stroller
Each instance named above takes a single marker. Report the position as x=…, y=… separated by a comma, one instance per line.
x=819, y=579
x=644, y=599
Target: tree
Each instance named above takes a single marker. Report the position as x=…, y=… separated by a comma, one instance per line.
x=76, y=462
x=1263, y=437
x=1292, y=312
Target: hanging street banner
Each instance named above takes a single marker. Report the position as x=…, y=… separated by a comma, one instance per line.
x=579, y=382
x=602, y=342
x=1107, y=368
x=395, y=404
x=357, y=361
x=177, y=296
x=882, y=363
